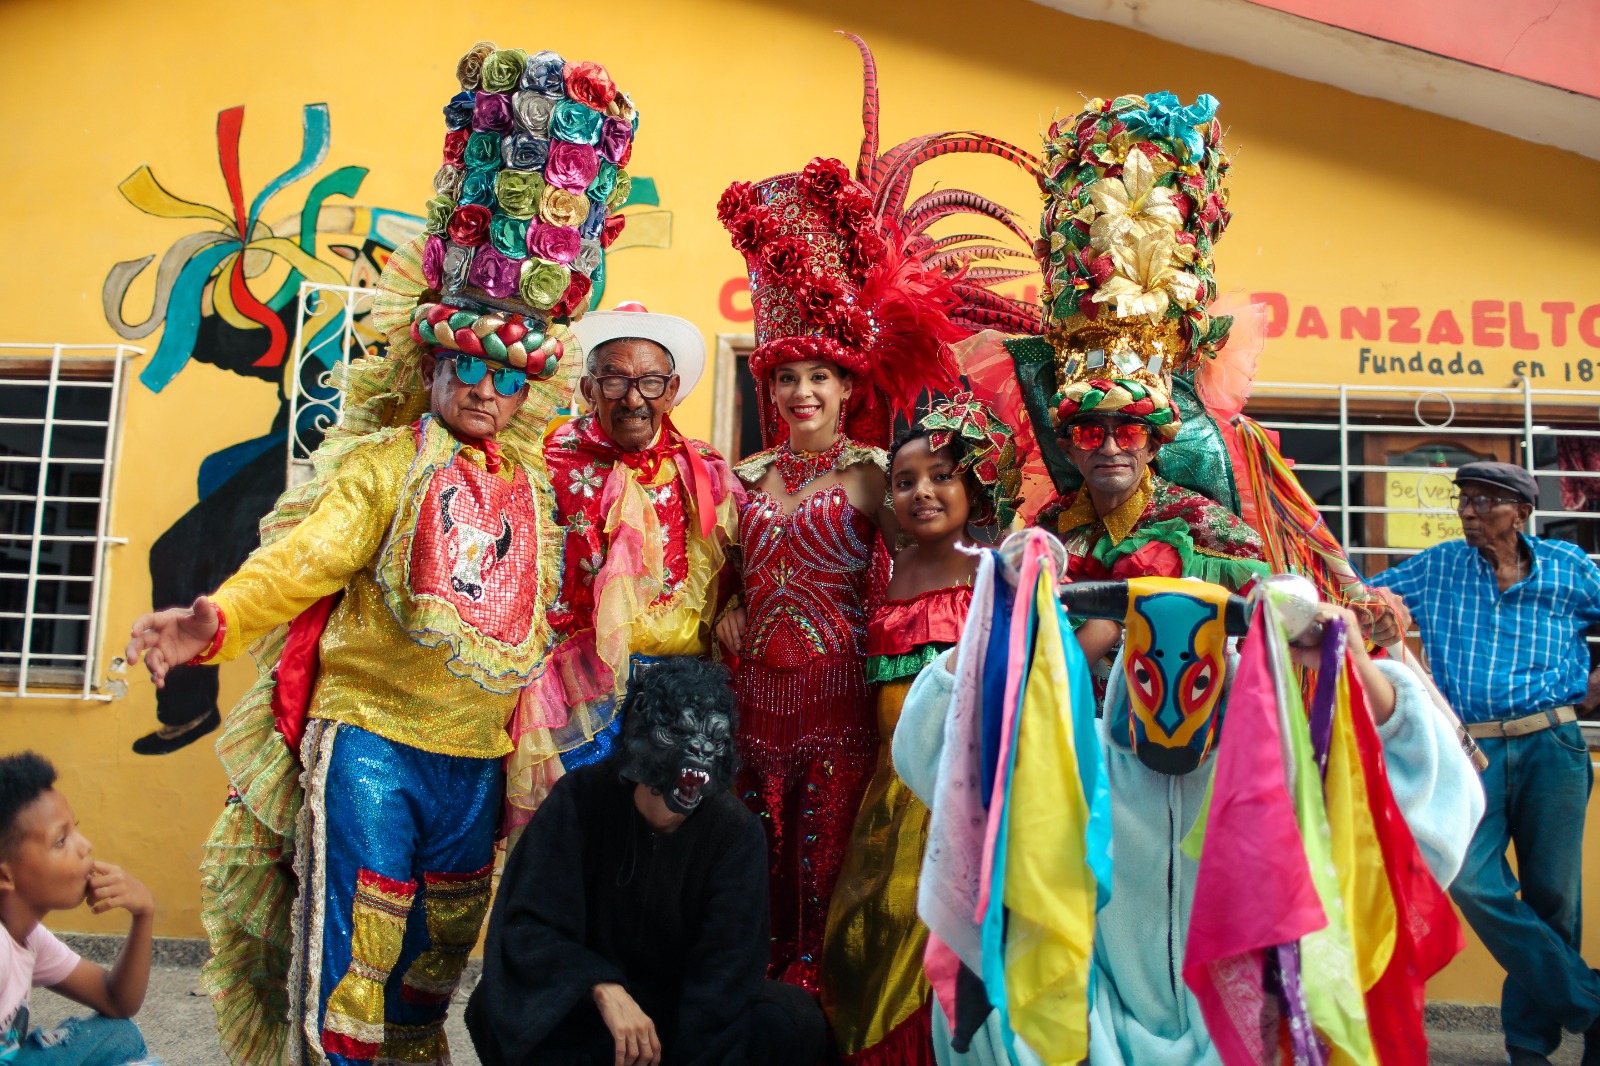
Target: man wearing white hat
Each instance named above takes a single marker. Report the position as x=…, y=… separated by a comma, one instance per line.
x=648, y=515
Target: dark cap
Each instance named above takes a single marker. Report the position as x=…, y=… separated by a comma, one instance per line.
x=1507, y=476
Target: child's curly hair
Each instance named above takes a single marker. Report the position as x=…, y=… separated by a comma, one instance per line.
x=24, y=777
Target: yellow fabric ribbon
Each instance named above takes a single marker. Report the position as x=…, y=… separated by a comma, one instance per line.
x=1049, y=888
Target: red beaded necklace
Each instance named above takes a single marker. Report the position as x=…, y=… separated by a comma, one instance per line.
x=799, y=469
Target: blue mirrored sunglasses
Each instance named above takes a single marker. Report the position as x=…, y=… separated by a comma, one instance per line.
x=508, y=380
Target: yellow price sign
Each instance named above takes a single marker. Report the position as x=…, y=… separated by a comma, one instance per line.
x=1430, y=489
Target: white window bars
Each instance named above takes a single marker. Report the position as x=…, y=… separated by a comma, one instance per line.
x=60, y=432
x=1518, y=420
x=330, y=329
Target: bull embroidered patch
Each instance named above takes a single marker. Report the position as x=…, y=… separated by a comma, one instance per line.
x=475, y=547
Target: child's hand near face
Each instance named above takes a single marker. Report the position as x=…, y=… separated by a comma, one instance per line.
x=111, y=887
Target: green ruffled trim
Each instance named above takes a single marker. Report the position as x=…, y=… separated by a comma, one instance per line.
x=1229, y=572
x=882, y=668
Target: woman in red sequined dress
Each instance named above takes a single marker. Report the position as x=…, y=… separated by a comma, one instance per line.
x=808, y=741
x=856, y=305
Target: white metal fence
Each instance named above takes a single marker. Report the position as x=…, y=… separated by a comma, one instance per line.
x=61, y=431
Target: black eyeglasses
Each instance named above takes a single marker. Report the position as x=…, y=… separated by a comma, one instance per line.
x=1478, y=504
x=650, y=386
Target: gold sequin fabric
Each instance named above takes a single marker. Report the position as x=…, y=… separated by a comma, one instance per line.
x=374, y=673
x=872, y=979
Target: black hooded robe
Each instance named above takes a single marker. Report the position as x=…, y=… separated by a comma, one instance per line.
x=592, y=895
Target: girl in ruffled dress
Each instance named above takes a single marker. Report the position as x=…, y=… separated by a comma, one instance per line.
x=953, y=469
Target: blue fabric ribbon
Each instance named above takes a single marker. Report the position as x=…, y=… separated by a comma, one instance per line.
x=1166, y=117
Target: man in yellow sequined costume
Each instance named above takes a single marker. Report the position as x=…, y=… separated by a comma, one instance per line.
x=647, y=515
x=398, y=604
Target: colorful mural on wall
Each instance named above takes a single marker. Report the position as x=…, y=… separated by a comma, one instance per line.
x=229, y=296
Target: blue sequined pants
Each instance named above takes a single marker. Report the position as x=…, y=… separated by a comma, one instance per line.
x=395, y=849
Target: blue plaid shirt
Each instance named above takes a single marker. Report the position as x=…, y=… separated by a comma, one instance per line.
x=1502, y=655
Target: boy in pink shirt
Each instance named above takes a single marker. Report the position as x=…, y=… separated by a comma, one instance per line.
x=45, y=865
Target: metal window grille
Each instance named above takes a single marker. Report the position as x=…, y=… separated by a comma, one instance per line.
x=330, y=329
x=1328, y=449
x=60, y=431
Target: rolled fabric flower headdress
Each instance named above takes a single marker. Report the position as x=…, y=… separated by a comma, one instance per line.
x=988, y=451
x=523, y=205
x=842, y=270
x=1136, y=196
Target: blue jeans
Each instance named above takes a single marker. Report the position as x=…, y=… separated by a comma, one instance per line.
x=1537, y=788
x=91, y=1041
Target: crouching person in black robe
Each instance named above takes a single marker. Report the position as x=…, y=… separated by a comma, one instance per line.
x=630, y=927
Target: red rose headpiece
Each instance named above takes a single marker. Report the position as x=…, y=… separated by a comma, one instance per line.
x=842, y=270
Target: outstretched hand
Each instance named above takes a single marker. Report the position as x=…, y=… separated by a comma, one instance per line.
x=172, y=637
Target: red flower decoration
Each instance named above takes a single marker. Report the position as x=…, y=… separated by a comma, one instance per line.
x=736, y=200
x=469, y=226
x=785, y=256
x=575, y=296
x=853, y=206
x=866, y=252
x=590, y=84
x=752, y=229
x=855, y=328
x=613, y=228
x=455, y=147
x=821, y=298
x=822, y=179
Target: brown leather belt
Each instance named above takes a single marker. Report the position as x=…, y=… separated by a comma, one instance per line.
x=1521, y=727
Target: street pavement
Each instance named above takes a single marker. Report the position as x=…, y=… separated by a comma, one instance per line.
x=178, y=1025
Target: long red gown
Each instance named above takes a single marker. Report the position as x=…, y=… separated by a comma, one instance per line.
x=807, y=735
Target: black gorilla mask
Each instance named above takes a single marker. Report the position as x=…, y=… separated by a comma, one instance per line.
x=678, y=732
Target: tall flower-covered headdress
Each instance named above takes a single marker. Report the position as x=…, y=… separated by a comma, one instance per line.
x=843, y=270
x=988, y=452
x=1136, y=196
x=533, y=155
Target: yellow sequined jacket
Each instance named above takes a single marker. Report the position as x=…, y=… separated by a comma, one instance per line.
x=439, y=562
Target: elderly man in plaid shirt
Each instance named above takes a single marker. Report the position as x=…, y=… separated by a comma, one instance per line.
x=1503, y=617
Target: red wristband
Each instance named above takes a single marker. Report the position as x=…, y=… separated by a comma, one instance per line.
x=216, y=640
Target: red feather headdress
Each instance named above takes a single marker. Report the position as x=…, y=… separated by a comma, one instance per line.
x=842, y=270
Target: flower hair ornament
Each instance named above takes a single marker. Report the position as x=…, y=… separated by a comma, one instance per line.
x=843, y=270
x=988, y=450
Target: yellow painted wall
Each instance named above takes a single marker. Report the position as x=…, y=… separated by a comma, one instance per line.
x=1339, y=201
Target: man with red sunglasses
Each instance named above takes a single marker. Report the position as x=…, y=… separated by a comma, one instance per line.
x=1127, y=521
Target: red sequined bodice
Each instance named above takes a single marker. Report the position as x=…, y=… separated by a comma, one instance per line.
x=805, y=578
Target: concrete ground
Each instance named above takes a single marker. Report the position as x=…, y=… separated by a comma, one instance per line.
x=178, y=1023
x=180, y=1028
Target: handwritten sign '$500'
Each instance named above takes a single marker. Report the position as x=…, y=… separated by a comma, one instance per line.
x=1428, y=489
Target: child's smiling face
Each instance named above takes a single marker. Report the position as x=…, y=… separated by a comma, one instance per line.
x=49, y=862
x=931, y=498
